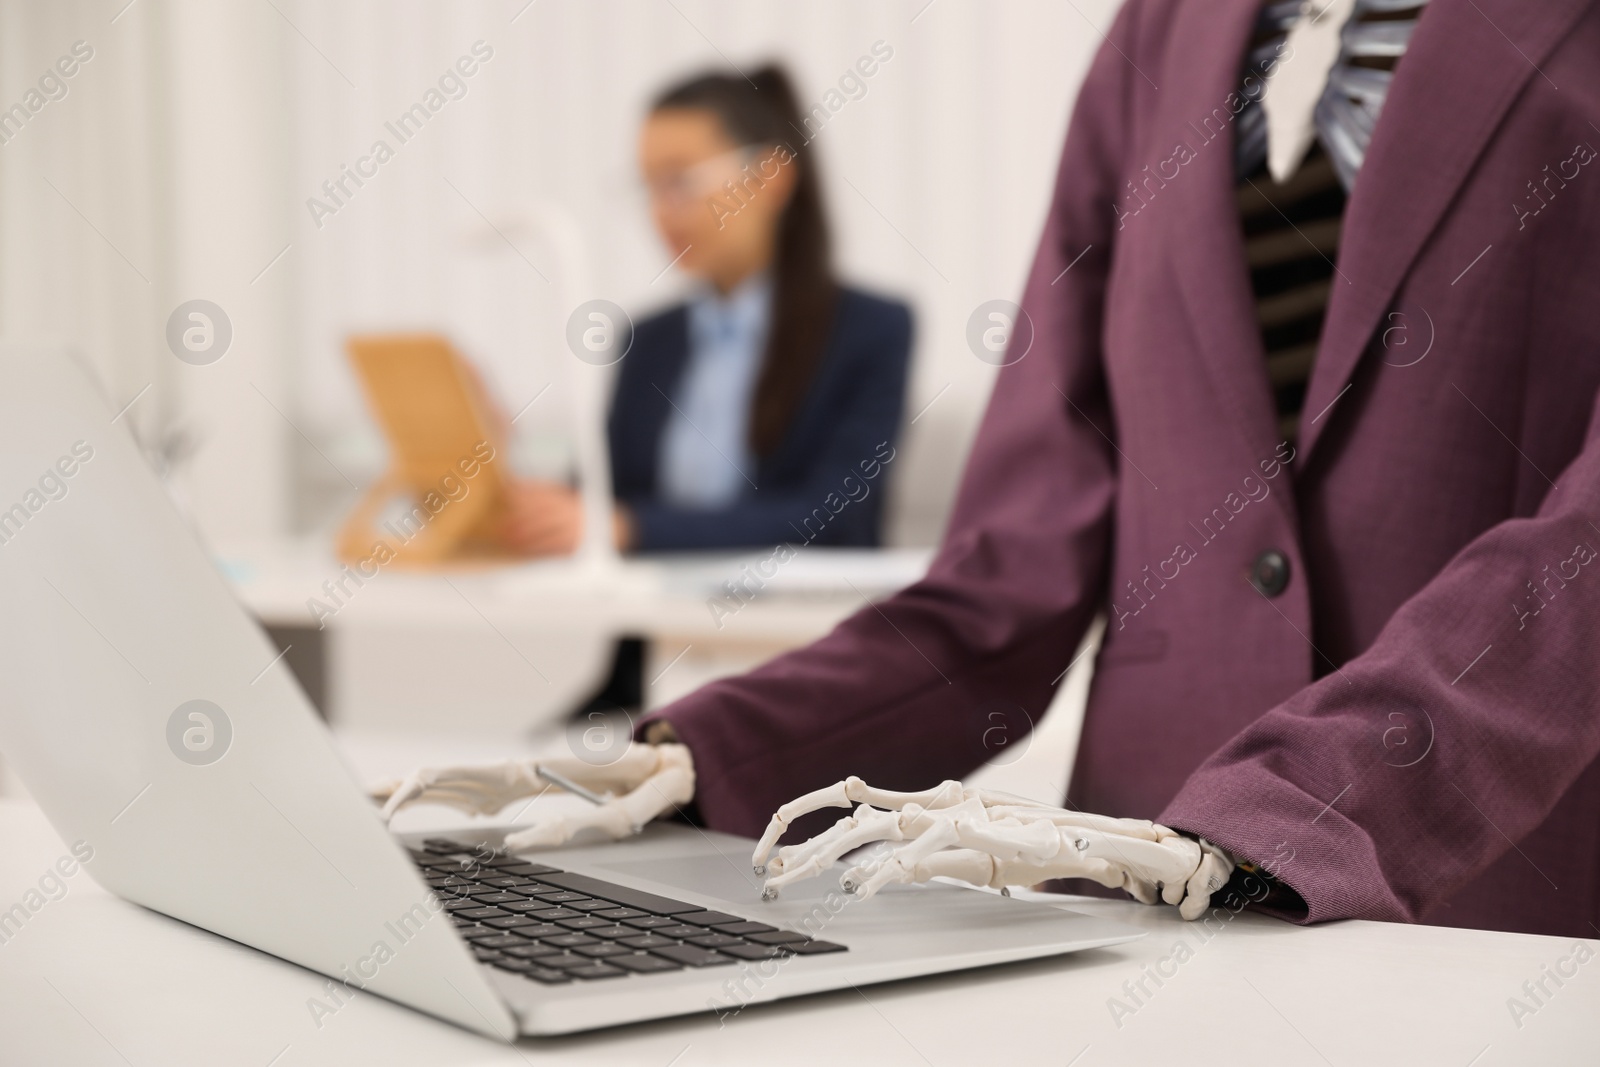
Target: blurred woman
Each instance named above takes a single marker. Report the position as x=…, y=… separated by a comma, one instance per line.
x=739, y=413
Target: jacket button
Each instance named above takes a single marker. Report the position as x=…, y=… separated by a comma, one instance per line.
x=1270, y=572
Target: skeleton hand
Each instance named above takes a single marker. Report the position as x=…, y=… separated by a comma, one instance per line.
x=991, y=839
x=647, y=781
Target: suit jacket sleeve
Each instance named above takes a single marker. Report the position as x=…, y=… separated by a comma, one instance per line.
x=876, y=361
x=1384, y=787
x=900, y=693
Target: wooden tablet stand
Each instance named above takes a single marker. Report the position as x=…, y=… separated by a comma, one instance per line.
x=445, y=490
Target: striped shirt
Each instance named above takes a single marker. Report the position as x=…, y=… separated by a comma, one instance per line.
x=1291, y=230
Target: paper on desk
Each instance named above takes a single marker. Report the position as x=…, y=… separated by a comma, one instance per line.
x=803, y=571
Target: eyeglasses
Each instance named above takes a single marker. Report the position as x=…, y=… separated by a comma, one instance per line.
x=692, y=184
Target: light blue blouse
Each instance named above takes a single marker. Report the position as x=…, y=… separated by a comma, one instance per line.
x=704, y=460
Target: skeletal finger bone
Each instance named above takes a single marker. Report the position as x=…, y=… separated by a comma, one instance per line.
x=842, y=795
x=1212, y=874
x=796, y=862
x=626, y=772
x=667, y=770
x=990, y=838
x=901, y=864
x=668, y=787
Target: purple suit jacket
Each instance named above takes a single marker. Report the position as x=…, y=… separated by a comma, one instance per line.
x=1409, y=729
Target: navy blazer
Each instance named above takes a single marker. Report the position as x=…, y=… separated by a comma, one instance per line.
x=845, y=427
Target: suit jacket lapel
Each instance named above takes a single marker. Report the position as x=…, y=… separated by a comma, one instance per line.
x=1467, y=61
x=666, y=370
x=1200, y=223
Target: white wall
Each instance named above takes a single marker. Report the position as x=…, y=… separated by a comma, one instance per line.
x=156, y=179
x=193, y=139
x=937, y=179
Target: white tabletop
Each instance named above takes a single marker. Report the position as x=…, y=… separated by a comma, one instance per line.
x=527, y=641
x=90, y=979
x=800, y=598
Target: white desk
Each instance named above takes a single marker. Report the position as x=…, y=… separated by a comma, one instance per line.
x=92, y=980
x=503, y=648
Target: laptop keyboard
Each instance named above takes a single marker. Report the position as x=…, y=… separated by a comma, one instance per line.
x=554, y=926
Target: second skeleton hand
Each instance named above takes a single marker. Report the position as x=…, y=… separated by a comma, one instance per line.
x=990, y=839
x=647, y=781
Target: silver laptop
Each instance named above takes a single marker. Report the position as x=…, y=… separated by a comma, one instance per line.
x=145, y=713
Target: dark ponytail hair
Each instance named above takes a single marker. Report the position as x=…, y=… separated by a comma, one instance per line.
x=763, y=110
